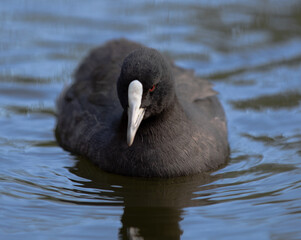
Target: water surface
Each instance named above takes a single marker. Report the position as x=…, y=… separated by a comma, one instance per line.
x=250, y=50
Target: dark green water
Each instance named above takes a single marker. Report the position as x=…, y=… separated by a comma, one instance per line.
x=250, y=50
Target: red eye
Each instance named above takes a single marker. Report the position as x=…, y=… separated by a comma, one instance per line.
x=153, y=88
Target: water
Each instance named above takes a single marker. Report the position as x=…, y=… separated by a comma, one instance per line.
x=250, y=50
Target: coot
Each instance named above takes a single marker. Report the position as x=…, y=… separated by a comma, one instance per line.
x=133, y=112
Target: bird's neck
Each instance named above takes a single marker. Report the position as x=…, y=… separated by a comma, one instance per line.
x=172, y=120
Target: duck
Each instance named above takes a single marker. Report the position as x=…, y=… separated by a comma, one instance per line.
x=133, y=112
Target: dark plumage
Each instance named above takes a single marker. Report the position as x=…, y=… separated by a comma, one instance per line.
x=183, y=130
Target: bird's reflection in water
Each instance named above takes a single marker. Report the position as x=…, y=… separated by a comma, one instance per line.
x=151, y=223
x=153, y=208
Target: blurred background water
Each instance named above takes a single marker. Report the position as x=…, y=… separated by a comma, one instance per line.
x=250, y=50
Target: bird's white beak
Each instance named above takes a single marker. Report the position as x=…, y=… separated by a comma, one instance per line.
x=135, y=113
